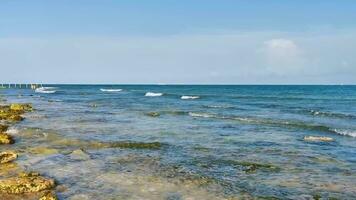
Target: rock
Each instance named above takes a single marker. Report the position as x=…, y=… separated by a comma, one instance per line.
x=153, y=114
x=43, y=151
x=6, y=157
x=135, y=145
x=251, y=167
x=15, y=117
x=6, y=139
x=26, y=183
x=318, y=139
x=48, y=196
x=21, y=107
x=3, y=128
x=79, y=154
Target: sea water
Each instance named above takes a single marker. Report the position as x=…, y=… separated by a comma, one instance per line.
x=226, y=142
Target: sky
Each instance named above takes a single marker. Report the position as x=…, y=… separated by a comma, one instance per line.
x=178, y=41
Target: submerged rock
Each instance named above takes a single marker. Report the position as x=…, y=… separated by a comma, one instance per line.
x=79, y=154
x=153, y=114
x=100, y=145
x=6, y=157
x=251, y=167
x=43, y=150
x=26, y=183
x=318, y=139
x=6, y=139
x=135, y=145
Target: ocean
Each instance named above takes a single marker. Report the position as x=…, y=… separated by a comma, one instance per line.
x=215, y=141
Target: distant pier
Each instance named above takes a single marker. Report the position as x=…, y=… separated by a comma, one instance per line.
x=20, y=86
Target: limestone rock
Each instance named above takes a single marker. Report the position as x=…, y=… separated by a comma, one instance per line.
x=48, y=196
x=6, y=139
x=8, y=156
x=26, y=183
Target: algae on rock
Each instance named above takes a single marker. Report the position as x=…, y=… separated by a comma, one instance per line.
x=6, y=139
x=26, y=183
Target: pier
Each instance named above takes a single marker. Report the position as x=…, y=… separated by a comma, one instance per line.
x=32, y=86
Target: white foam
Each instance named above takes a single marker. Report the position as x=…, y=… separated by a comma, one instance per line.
x=45, y=90
x=110, y=90
x=152, y=94
x=205, y=115
x=346, y=132
x=190, y=97
x=12, y=131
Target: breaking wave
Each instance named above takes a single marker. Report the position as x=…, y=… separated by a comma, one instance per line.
x=271, y=122
x=46, y=90
x=152, y=94
x=110, y=90
x=189, y=97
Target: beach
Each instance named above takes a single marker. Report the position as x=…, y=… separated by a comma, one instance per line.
x=175, y=142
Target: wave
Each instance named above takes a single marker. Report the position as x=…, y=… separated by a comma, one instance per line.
x=152, y=94
x=205, y=115
x=346, y=132
x=189, y=97
x=218, y=106
x=331, y=114
x=46, y=90
x=272, y=122
x=110, y=90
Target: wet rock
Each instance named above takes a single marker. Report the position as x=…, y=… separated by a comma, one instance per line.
x=8, y=156
x=318, y=139
x=79, y=154
x=21, y=107
x=3, y=128
x=43, y=151
x=135, y=145
x=67, y=142
x=26, y=183
x=153, y=114
x=48, y=196
x=13, y=117
x=13, y=112
x=6, y=139
x=251, y=167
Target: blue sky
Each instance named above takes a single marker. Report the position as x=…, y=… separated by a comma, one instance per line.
x=178, y=41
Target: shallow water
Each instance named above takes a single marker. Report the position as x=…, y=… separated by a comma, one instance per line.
x=231, y=142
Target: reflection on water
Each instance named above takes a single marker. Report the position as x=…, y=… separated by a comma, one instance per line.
x=232, y=142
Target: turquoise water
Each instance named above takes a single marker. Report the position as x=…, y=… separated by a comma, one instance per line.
x=215, y=137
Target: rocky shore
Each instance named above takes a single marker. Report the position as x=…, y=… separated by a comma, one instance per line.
x=23, y=185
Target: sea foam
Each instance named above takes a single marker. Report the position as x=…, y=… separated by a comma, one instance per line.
x=346, y=132
x=152, y=94
x=46, y=90
x=189, y=97
x=110, y=90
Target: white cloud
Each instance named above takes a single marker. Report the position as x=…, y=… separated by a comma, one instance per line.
x=282, y=56
x=253, y=57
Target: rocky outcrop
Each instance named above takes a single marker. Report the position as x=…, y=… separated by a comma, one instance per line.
x=6, y=139
x=8, y=156
x=26, y=183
